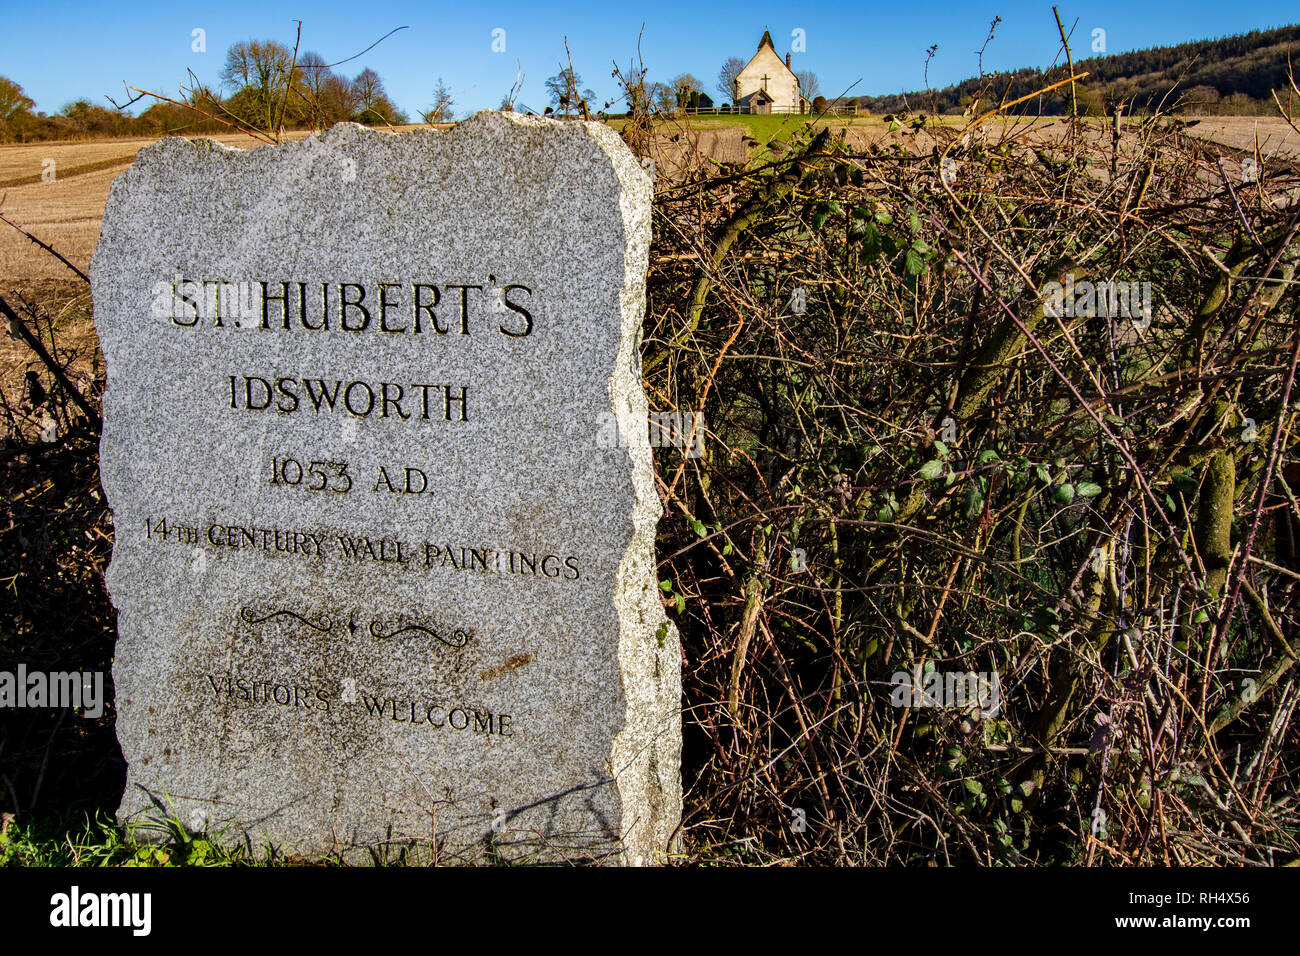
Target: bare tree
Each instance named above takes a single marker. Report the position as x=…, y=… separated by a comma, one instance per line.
x=372, y=102
x=368, y=88
x=338, y=102
x=564, y=90
x=310, y=82
x=260, y=70
x=662, y=96
x=314, y=72
x=441, y=110
x=260, y=64
x=808, y=85
x=508, y=101
x=727, y=77
x=683, y=85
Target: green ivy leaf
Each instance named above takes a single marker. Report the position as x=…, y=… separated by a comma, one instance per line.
x=871, y=244
x=1063, y=494
x=1088, y=489
x=931, y=469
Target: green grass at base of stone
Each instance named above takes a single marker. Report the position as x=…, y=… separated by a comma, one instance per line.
x=92, y=838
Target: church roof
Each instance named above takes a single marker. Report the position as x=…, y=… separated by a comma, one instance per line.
x=767, y=39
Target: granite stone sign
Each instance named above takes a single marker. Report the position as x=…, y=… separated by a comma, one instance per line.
x=379, y=584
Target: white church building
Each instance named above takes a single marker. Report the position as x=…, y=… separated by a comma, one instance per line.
x=767, y=84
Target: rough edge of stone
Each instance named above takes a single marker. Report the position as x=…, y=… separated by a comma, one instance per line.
x=646, y=755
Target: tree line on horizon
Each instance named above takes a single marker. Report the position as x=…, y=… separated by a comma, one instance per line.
x=266, y=88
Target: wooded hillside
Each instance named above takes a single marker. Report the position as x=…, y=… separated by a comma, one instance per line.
x=1234, y=74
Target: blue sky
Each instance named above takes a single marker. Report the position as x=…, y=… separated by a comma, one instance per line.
x=61, y=51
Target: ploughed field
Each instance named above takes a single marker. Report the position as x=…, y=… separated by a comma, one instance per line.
x=57, y=191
